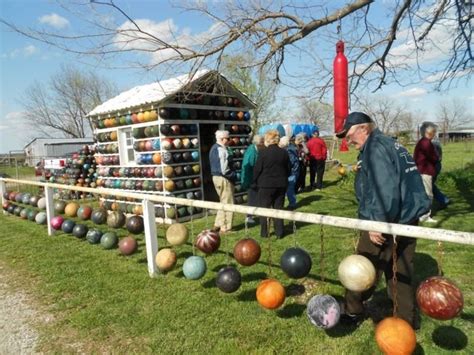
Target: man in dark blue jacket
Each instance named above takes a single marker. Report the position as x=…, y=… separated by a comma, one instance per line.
x=389, y=189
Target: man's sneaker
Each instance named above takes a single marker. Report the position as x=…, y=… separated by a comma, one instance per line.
x=250, y=220
x=430, y=220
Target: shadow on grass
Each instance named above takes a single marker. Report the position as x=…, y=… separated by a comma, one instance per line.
x=425, y=266
x=291, y=311
x=449, y=338
x=247, y=296
x=419, y=350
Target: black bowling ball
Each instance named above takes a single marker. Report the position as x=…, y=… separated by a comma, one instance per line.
x=68, y=225
x=228, y=279
x=296, y=263
x=135, y=224
x=80, y=230
x=164, y=113
x=165, y=129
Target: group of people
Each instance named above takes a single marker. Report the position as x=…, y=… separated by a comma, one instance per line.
x=390, y=186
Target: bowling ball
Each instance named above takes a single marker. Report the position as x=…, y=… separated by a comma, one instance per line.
x=323, y=311
x=240, y=115
x=148, y=145
x=41, y=218
x=247, y=116
x=341, y=170
x=195, y=155
x=233, y=115
x=177, y=234
x=194, y=267
x=228, y=279
x=159, y=186
x=296, y=263
x=179, y=184
x=197, y=195
x=165, y=259
x=158, y=172
x=395, y=336
x=11, y=208
x=19, y=197
x=356, y=273
x=177, y=143
x=188, y=169
x=34, y=201
x=168, y=172
x=56, y=222
x=195, y=142
x=234, y=129
x=170, y=185
x=208, y=241
x=187, y=156
x=68, y=226
x=164, y=113
x=156, y=144
x=165, y=129
x=178, y=170
x=138, y=133
x=178, y=157
x=247, y=252
x=24, y=213
x=99, y=216
x=153, y=115
x=439, y=298
x=175, y=129
x=167, y=158
x=93, y=236
x=6, y=195
x=25, y=198
x=189, y=183
x=5, y=205
x=80, y=230
x=59, y=206
x=84, y=212
x=128, y=245
x=71, y=209
x=135, y=224
x=156, y=158
x=109, y=240
x=182, y=212
x=17, y=210
x=270, y=294
x=186, y=143
x=31, y=214
x=196, y=169
x=116, y=219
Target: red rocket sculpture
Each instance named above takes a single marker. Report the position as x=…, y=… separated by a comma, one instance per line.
x=341, y=92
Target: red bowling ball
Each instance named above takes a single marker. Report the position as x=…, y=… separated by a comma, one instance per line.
x=128, y=245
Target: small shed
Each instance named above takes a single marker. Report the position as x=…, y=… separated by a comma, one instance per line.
x=41, y=148
x=156, y=138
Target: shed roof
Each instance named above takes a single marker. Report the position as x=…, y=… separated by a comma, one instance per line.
x=50, y=141
x=156, y=92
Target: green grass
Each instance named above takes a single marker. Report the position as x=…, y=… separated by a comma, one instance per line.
x=107, y=302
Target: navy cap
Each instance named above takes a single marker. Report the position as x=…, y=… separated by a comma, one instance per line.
x=353, y=119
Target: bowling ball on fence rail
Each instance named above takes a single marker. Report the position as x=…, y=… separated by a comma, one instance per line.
x=296, y=263
x=68, y=226
x=128, y=245
x=84, y=212
x=395, y=336
x=11, y=208
x=41, y=218
x=19, y=197
x=59, y=206
x=323, y=311
x=93, y=236
x=24, y=213
x=116, y=219
x=177, y=234
x=194, y=267
x=25, y=198
x=71, y=209
x=5, y=205
x=270, y=294
x=56, y=222
x=247, y=252
x=109, y=240
x=208, y=241
x=356, y=273
x=135, y=224
x=439, y=298
x=80, y=231
x=228, y=279
x=17, y=210
x=165, y=259
x=6, y=195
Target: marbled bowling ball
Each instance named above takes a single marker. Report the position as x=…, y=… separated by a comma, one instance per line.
x=56, y=222
x=208, y=242
x=135, y=224
x=165, y=259
x=247, y=252
x=439, y=298
x=59, y=206
x=356, y=273
x=175, y=129
x=228, y=279
x=186, y=143
x=179, y=170
x=25, y=198
x=41, y=218
x=93, y=236
x=323, y=311
x=194, y=267
x=395, y=336
x=84, y=212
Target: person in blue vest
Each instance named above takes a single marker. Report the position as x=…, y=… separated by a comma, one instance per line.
x=389, y=189
x=289, y=144
x=223, y=177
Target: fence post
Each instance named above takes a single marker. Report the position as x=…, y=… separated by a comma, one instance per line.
x=151, y=240
x=49, y=208
x=3, y=189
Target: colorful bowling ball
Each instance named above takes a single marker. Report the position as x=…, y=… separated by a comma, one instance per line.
x=228, y=279
x=93, y=236
x=71, y=209
x=247, y=116
x=19, y=197
x=194, y=267
x=196, y=169
x=109, y=240
x=167, y=158
x=17, y=210
x=240, y=116
x=164, y=113
x=156, y=158
x=167, y=144
x=68, y=226
x=296, y=263
x=153, y=115
x=128, y=245
x=323, y=311
x=56, y=222
x=356, y=273
x=233, y=115
x=195, y=155
x=186, y=143
x=116, y=219
x=59, y=206
x=25, y=198
x=80, y=231
x=84, y=212
x=168, y=172
x=189, y=183
x=195, y=142
x=165, y=259
x=175, y=129
x=170, y=185
x=395, y=336
x=177, y=143
x=41, y=218
x=177, y=234
x=247, y=252
x=208, y=241
x=270, y=294
x=135, y=224
x=5, y=205
x=439, y=298
x=99, y=216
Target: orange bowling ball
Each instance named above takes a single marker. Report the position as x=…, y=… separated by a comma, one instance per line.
x=71, y=209
x=157, y=158
x=270, y=294
x=395, y=336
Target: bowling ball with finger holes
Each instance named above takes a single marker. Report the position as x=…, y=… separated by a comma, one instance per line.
x=93, y=236
x=80, y=230
x=68, y=226
x=323, y=311
x=135, y=224
x=395, y=336
x=208, y=241
x=356, y=273
x=270, y=294
x=194, y=267
x=128, y=245
x=109, y=240
x=228, y=279
x=165, y=259
x=177, y=234
x=247, y=252
x=296, y=263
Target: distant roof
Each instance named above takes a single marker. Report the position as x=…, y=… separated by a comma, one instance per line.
x=155, y=92
x=62, y=140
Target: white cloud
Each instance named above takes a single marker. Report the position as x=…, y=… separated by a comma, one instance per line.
x=14, y=116
x=54, y=20
x=27, y=51
x=437, y=76
x=412, y=93
x=3, y=127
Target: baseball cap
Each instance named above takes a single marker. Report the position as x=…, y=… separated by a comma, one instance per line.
x=353, y=119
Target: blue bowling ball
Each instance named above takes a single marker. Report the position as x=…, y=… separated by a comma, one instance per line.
x=195, y=155
x=194, y=267
x=247, y=116
x=156, y=144
x=128, y=119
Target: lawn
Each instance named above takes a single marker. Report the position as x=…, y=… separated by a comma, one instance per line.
x=107, y=303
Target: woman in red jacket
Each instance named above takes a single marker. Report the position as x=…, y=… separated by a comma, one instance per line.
x=317, y=160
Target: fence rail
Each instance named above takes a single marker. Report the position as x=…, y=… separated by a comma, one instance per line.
x=444, y=235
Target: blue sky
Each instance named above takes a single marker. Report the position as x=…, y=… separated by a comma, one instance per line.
x=23, y=61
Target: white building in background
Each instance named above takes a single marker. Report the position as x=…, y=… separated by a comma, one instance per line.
x=40, y=148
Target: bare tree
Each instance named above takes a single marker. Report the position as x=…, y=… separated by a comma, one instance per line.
x=383, y=39
x=318, y=113
x=453, y=114
x=61, y=106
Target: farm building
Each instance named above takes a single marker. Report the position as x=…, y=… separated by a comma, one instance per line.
x=156, y=138
x=457, y=134
x=40, y=148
